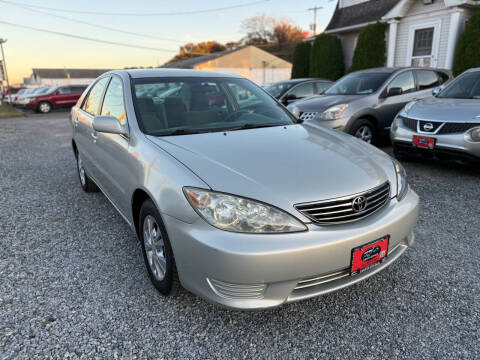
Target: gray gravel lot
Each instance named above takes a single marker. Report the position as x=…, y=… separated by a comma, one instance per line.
x=73, y=283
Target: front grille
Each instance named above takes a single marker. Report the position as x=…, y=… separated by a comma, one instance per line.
x=429, y=126
x=237, y=291
x=454, y=128
x=305, y=116
x=343, y=210
x=410, y=123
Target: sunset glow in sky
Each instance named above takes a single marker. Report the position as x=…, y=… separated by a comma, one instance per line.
x=27, y=49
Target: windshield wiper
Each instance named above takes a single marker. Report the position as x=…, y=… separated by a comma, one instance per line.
x=254, y=126
x=178, y=132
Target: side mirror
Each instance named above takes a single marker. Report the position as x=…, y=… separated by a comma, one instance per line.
x=436, y=91
x=108, y=124
x=394, y=91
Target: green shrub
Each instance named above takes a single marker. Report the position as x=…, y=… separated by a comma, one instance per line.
x=371, y=48
x=326, y=57
x=467, y=54
x=301, y=60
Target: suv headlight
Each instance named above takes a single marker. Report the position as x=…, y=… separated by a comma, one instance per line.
x=402, y=181
x=474, y=134
x=334, y=112
x=237, y=214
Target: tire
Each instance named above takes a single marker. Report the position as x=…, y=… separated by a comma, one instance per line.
x=365, y=130
x=44, y=107
x=85, y=182
x=157, y=254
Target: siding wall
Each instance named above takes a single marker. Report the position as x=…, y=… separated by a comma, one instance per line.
x=417, y=15
x=349, y=42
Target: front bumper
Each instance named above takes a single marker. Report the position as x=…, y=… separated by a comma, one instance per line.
x=447, y=146
x=253, y=271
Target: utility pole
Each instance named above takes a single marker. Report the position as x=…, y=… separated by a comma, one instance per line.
x=2, y=41
x=314, y=25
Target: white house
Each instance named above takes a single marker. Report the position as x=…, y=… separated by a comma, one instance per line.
x=419, y=32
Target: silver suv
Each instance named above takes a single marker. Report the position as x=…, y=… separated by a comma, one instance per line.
x=365, y=103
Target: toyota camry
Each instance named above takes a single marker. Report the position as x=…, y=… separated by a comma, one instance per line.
x=231, y=196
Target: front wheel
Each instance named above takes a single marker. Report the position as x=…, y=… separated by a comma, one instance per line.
x=364, y=130
x=157, y=251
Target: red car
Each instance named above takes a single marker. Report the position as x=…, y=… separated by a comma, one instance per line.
x=57, y=97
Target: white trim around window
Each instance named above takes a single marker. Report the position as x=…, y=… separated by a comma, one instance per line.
x=436, y=25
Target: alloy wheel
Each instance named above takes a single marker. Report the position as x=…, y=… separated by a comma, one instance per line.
x=44, y=107
x=364, y=133
x=154, y=247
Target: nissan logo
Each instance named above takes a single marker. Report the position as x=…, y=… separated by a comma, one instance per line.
x=428, y=127
x=371, y=253
x=359, y=203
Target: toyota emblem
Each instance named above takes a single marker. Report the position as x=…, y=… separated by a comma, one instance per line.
x=359, y=203
x=428, y=127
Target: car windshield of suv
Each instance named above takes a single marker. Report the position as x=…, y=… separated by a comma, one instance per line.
x=278, y=89
x=358, y=84
x=181, y=106
x=467, y=86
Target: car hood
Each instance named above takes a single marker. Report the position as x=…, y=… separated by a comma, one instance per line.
x=323, y=102
x=282, y=165
x=455, y=110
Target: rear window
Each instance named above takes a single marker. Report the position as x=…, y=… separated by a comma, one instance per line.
x=427, y=79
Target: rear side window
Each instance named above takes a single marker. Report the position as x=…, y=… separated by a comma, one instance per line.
x=442, y=77
x=78, y=89
x=92, y=101
x=302, y=90
x=404, y=81
x=64, y=90
x=113, y=102
x=427, y=79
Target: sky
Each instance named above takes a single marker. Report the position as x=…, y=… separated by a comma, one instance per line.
x=27, y=49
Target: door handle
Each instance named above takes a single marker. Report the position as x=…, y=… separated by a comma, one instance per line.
x=94, y=136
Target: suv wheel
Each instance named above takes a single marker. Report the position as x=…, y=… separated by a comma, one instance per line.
x=44, y=107
x=157, y=251
x=87, y=184
x=364, y=130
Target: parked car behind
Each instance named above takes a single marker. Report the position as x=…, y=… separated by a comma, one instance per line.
x=446, y=126
x=293, y=90
x=10, y=93
x=25, y=98
x=57, y=97
x=364, y=103
x=209, y=181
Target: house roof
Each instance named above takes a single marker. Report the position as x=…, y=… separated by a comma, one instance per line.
x=74, y=73
x=363, y=13
x=190, y=63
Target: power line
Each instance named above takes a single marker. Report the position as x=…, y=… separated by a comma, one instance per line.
x=147, y=14
x=28, y=7
x=86, y=38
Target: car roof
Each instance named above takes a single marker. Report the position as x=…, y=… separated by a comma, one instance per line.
x=391, y=70
x=299, y=80
x=163, y=72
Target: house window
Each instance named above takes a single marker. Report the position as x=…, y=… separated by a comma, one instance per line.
x=423, y=42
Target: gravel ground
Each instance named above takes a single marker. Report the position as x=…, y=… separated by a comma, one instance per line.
x=73, y=283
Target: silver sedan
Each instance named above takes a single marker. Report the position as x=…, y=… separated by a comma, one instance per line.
x=446, y=126
x=230, y=195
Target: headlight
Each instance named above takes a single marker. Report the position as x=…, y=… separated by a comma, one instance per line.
x=237, y=214
x=474, y=134
x=402, y=182
x=334, y=113
x=394, y=127
x=409, y=106
x=295, y=111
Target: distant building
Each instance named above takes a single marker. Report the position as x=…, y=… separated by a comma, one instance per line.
x=419, y=32
x=55, y=77
x=251, y=62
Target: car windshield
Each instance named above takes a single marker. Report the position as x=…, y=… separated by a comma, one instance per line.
x=358, y=84
x=278, y=89
x=467, y=86
x=181, y=106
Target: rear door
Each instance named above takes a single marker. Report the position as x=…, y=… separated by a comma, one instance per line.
x=85, y=137
x=62, y=97
x=298, y=92
x=111, y=150
x=427, y=80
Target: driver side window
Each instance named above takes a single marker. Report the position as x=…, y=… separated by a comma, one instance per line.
x=302, y=90
x=404, y=81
